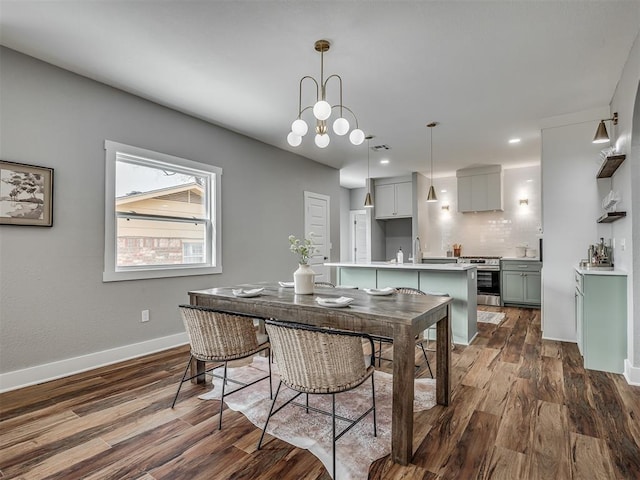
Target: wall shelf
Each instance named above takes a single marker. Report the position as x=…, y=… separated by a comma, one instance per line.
x=610, y=165
x=611, y=217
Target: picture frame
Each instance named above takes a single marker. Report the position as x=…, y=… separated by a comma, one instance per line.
x=26, y=194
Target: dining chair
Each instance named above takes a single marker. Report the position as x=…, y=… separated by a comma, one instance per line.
x=420, y=339
x=432, y=329
x=220, y=337
x=319, y=361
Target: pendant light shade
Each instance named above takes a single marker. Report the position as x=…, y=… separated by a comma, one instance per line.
x=601, y=135
x=368, y=200
x=431, y=196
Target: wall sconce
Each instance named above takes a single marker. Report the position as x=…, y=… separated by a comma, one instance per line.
x=445, y=207
x=524, y=201
x=601, y=135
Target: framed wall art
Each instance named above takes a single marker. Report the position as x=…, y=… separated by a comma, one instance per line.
x=26, y=194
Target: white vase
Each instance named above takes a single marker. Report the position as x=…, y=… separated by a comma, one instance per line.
x=303, y=280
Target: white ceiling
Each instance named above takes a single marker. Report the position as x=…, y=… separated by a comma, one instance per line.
x=486, y=70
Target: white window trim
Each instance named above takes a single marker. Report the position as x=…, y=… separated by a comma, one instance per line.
x=110, y=273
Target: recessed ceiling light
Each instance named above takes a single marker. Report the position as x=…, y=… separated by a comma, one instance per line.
x=514, y=140
x=384, y=161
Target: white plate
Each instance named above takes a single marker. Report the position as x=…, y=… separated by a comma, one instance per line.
x=334, y=302
x=241, y=292
x=286, y=284
x=380, y=291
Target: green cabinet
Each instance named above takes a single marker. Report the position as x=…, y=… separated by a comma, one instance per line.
x=601, y=319
x=520, y=283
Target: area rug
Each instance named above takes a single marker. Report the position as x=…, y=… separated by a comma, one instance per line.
x=357, y=449
x=490, y=317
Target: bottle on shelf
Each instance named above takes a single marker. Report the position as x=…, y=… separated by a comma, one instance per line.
x=400, y=256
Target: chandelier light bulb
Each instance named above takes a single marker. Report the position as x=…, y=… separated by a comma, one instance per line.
x=322, y=110
x=299, y=127
x=341, y=126
x=293, y=139
x=322, y=140
x=356, y=136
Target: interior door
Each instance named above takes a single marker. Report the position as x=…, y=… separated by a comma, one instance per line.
x=360, y=243
x=316, y=226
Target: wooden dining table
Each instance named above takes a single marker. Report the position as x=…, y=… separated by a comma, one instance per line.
x=399, y=316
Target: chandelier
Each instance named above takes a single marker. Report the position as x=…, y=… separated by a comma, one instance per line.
x=322, y=110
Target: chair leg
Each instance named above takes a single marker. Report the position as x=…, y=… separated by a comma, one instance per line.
x=425, y=357
x=270, y=376
x=307, y=401
x=379, y=353
x=333, y=417
x=184, y=375
x=273, y=403
x=224, y=382
x=373, y=400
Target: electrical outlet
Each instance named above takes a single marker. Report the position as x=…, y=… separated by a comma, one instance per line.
x=623, y=244
x=145, y=316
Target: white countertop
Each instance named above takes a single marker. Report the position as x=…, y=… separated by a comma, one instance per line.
x=595, y=271
x=406, y=266
x=522, y=259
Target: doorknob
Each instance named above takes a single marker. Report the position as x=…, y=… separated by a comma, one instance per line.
x=326, y=258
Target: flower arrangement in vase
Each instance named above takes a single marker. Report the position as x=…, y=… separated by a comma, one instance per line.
x=303, y=277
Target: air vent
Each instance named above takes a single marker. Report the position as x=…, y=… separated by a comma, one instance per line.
x=377, y=148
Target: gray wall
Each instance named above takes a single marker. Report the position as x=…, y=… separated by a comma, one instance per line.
x=53, y=304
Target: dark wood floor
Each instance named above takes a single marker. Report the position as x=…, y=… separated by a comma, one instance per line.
x=523, y=408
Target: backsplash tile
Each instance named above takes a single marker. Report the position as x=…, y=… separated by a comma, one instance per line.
x=486, y=233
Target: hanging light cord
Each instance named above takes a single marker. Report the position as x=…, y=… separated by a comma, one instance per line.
x=431, y=154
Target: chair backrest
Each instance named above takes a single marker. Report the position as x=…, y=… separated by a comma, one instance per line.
x=325, y=284
x=410, y=290
x=218, y=335
x=317, y=360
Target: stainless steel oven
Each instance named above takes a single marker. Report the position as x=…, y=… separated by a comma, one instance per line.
x=488, y=278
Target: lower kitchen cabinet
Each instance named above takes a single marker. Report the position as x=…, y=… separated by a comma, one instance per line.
x=520, y=283
x=601, y=319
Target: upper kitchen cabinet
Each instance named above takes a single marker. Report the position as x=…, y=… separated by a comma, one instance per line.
x=393, y=198
x=480, y=189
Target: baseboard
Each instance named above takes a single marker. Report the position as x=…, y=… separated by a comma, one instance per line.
x=631, y=373
x=568, y=340
x=64, y=368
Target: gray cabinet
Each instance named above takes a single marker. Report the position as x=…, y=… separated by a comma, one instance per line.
x=480, y=189
x=601, y=320
x=520, y=283
x=393, y=200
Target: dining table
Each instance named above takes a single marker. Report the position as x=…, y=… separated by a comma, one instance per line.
x=401, y=317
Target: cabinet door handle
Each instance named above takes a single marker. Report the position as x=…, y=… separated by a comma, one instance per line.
x=523, y=266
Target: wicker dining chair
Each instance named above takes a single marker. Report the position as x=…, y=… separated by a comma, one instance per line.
x=314, y=360
x=420, y=339
x=325, y=284
x=432, y=328
x=219, y=337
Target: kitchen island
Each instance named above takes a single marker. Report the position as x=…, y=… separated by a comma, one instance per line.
x=458, y=280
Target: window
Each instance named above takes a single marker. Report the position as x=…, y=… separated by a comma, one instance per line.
x=162, y=215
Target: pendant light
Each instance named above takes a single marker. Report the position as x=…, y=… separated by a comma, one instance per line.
x=368, y=201
x=431, y=196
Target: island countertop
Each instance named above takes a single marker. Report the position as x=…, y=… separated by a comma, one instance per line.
x=405, y=266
